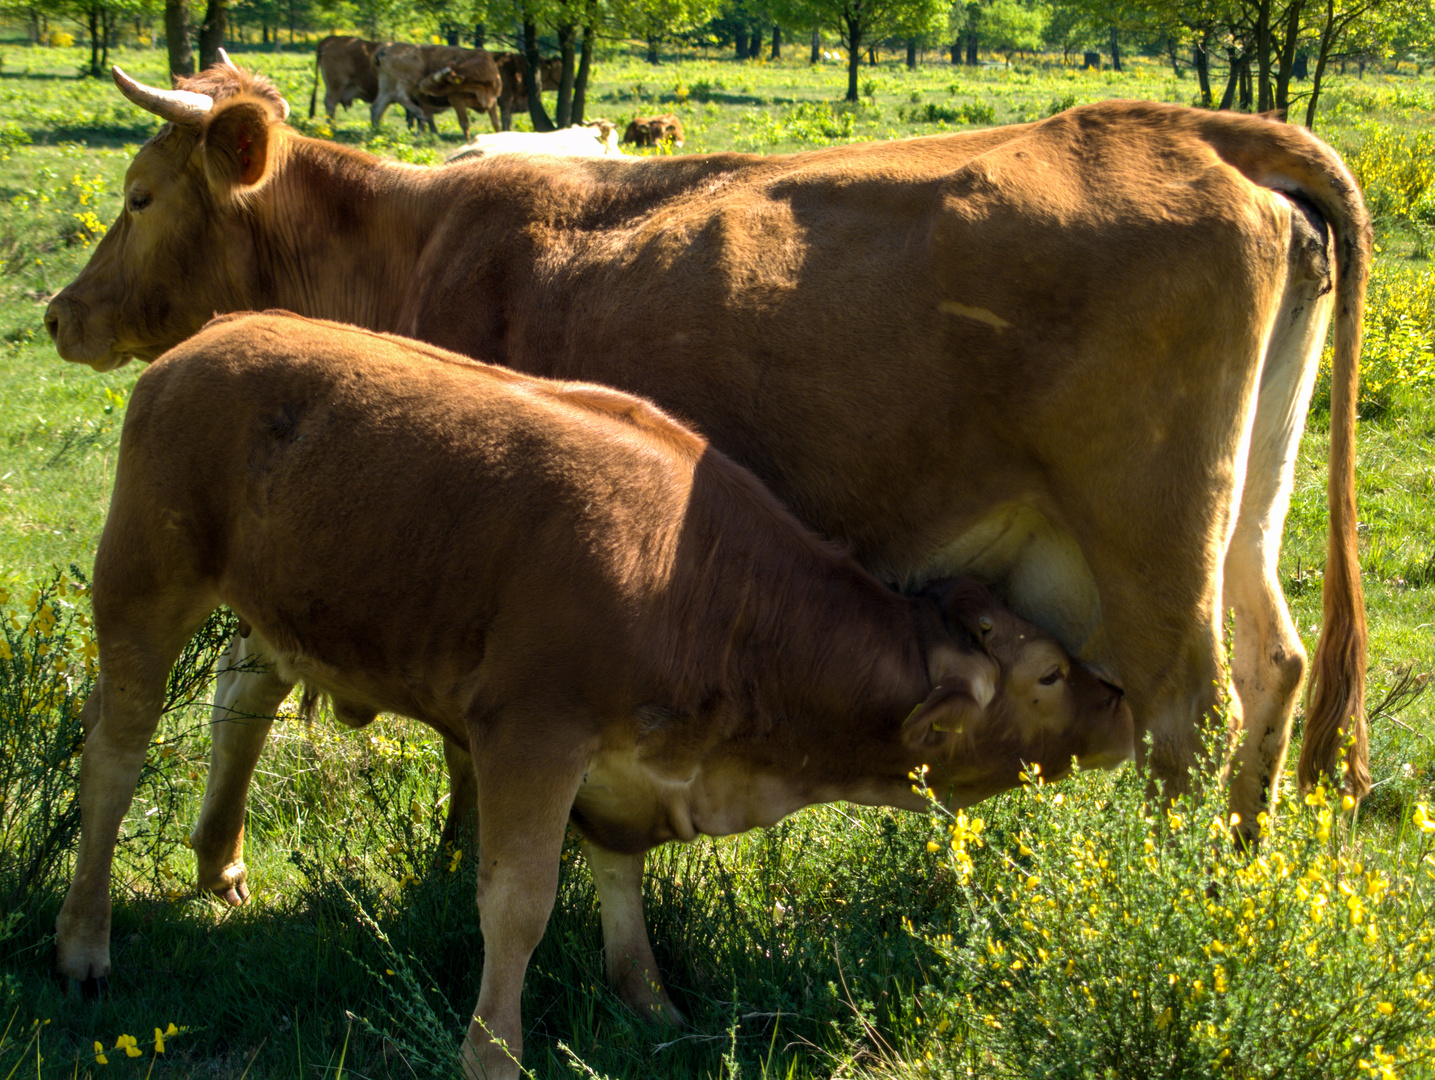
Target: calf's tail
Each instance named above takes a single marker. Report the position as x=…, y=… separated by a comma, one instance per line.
x=1288, y=158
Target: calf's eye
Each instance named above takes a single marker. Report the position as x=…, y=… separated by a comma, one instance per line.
x=1050, y=677
x=138, y=201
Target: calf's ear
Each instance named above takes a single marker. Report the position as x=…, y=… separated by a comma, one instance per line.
x=236, y=145
x=964, y=688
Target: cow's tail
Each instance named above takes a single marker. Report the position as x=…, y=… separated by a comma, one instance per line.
x=314, y=93
x=1285, y=157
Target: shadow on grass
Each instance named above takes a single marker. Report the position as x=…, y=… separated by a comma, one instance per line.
x=111, y=136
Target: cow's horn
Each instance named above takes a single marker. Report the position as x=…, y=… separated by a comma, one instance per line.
x=176, y=106
x=226, y=62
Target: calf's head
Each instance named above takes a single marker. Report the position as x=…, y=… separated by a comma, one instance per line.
x=171, y=259
x=1005, y=694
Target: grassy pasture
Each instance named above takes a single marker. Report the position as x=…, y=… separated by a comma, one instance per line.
x=836, y=944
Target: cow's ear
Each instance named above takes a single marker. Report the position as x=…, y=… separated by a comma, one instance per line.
x=236, y=145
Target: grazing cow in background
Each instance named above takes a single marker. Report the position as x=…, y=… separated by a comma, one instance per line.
x=426, y=79
x=654, y=130
x=581, y=140
x=513, y=69
x=626, y=628
x=347, y=65
x=1098, y=336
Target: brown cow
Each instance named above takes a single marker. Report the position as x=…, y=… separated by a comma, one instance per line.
x=654, y=130
x=513, y=69
x=347, y=65
x=1071, y=358
x=426, y=79
x=627, y=629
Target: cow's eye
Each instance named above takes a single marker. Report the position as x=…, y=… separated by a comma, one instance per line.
x=1050, y=677
x=138, y=201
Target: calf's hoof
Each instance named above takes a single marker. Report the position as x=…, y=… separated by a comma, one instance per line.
x=234, y=895
x=90, y=989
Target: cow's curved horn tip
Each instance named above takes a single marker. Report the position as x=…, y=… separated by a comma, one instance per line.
x=226, y=62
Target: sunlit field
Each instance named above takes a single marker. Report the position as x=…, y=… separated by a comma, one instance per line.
x=1070, y=930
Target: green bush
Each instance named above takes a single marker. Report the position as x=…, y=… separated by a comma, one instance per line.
x=1111, y=937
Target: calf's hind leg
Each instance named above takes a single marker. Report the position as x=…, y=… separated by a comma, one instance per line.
x=524, y=799
x=627, y=952
x=247, y=694
x=140, y=639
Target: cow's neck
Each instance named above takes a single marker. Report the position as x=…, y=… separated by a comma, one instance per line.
x=340, y=234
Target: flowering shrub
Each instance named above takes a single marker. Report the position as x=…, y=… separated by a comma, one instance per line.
x=1111, y=936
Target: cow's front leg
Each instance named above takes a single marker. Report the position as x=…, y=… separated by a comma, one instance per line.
x=247, y=694
x=495, y=118
x=627, y=952
x=525, y=793
x=462, y=114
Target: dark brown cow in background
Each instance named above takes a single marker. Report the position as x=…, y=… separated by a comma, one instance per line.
x=513, y=69
x=654, y=130
x=426, y=79
x=347, y=67
x=1100, y=334
x=626, y=628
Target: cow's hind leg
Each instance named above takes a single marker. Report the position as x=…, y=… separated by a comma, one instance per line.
x=526, y=787
x=462, y=790
x=627, y=953
x=248, y=693
x=1268, y=659
x=140, y=639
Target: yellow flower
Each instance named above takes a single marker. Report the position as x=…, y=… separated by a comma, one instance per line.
x=932, y=845
x=129, y=1044
x=1316, y=797
x=1347, y=803
x=1422, y=818
x=100, y=1058
x=1384, y=1008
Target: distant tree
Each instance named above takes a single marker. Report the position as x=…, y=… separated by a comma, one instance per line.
x=211, y=32
x=861, y=23
x=655, y=21
x=1010, y=26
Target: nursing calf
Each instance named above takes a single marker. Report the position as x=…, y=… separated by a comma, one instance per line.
x=625, y=628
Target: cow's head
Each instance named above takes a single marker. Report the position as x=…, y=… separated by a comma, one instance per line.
x=1005, y=693
x=169, y=261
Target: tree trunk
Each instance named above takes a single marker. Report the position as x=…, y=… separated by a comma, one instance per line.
x=563, y=113
x=816, y=45
x=652, y=48
x=211, y=33
x=854, y=55
x=107, y=31
x=1228, y=99
x=480, y=35
x=754, y=43
x=580, y=83
x=776, y=42
x=1115, y=51
x=1265, y=99
x=972, y=58
x=871, y=55
x=1286, y=69
x=532, y=78
x=94, y=21
x=740, y=34
x=1248, y=96
x=912, y=54
x=1201, y=61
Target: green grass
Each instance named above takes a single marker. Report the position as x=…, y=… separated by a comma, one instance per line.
x=785, y=948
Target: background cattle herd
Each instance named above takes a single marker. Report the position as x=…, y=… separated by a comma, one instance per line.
x=1145, y=921
x=427, y=79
